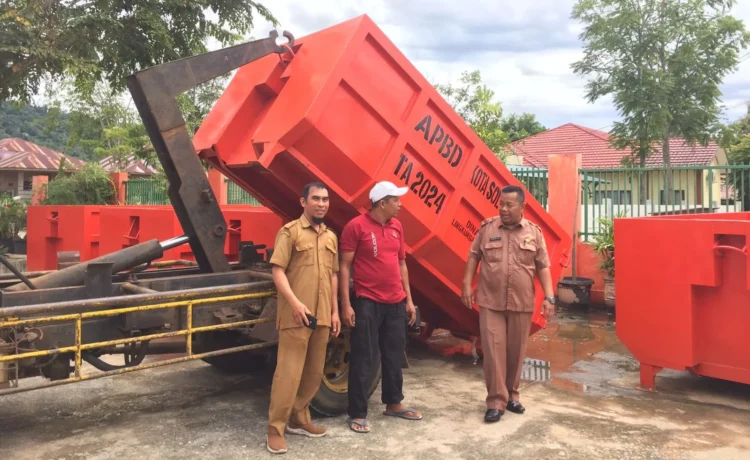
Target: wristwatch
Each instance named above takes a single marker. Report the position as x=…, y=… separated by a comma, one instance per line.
x=550, y=300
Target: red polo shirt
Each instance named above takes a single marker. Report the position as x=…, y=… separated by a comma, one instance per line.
x=377, y=251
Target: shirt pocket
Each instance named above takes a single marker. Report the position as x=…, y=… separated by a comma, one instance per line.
x=330, y=254
x=527, y=254
x=305, y=254
x=493, y=252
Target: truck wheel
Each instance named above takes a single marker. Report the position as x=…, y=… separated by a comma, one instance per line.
x=231, y=363
x=332, y=398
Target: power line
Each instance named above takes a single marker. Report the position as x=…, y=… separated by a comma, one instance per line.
x=737, y=105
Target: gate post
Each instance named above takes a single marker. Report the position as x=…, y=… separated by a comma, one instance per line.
x=38, y=189
x=218, y=185
x=119, y=179
x=564, y=190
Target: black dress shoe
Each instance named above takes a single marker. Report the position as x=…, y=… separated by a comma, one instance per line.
x=493, y=415
x=517, y=407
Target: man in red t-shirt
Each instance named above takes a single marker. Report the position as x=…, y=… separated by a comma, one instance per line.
x=373, y=246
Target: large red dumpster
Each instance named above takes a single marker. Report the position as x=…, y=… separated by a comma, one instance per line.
x=249, y=223
x=683, y=294
x=350, y=110
x=53, y=229
x=99, y=230
x=125, y=226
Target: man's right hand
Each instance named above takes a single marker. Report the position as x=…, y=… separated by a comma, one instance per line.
x=467, y=295
x=347, y=315
x=299, y=312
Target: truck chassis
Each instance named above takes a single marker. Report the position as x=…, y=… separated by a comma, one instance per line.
x=124, y=304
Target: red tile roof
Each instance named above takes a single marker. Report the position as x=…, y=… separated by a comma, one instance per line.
x=134, y=167
x=593, y=145
x=31, y=157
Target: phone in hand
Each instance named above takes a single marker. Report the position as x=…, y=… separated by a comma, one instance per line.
x=313, y=321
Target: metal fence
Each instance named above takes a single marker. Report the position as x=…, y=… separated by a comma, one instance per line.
x=535, y=180
x=637, y=192
x=237, y=195
x=151, y=192
x=145, y=191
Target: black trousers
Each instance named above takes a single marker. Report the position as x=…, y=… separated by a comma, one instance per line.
x=379, y=332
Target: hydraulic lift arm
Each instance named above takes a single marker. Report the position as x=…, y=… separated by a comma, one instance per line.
x=154, y=91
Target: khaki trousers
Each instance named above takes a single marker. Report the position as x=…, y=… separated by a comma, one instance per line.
x=504, y=336
x=299, y=371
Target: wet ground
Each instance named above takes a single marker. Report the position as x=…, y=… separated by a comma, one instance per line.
x=579, y=390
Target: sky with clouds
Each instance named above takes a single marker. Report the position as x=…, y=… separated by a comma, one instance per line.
x=523, y=50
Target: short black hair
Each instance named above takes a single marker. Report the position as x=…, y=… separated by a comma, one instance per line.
x=515, y=189
x=386, y=198
x=374, y=204
x=311, y=185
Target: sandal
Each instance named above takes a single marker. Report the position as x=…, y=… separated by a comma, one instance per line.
x=402, y=414
x=362, y=424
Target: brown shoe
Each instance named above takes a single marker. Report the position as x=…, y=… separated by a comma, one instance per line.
x=275, y=444
x=309, y=430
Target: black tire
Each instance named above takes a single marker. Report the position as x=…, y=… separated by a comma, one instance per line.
x=329, y=403
x=231, y=363
x=332, y=398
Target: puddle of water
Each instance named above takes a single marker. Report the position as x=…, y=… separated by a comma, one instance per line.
x=576, y=335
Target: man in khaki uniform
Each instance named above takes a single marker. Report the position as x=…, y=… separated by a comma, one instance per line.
x=305, y=270
x=511, y=250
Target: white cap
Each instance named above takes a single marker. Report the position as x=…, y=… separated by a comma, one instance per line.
x=384, y=189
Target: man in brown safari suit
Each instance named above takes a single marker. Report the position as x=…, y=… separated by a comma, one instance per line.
x=305, y=270
x=512, y=251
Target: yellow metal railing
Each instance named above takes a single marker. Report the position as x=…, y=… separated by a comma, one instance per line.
x=79, y=347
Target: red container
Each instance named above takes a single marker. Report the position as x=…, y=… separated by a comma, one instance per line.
x=683, y=294
x=351, y=110
x=77, y=228
x=125, y=226
x=249, y=223
x=53, y=229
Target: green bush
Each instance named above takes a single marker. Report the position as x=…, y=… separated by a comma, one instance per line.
x=12, y=219
x=89, y=185
x=603, y=242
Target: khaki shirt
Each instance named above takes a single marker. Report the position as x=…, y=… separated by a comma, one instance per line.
x=309, y=258
x=510, y=257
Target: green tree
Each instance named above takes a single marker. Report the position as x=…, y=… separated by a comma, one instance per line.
x=102, y=124
x=734, y=133
x=107, y=40
x=39, y=124
x=662, y=62
x=474, y=102
x=198, y=102
x=99, y=123
x=89, y=185
x=736, y=140
x=521, y=126
x=12, y=219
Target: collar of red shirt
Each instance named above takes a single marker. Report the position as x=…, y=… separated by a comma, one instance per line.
x=388, y=223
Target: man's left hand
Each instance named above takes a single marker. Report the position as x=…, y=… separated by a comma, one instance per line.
x=548, y=310
x=335, y=325
x=411, y=312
